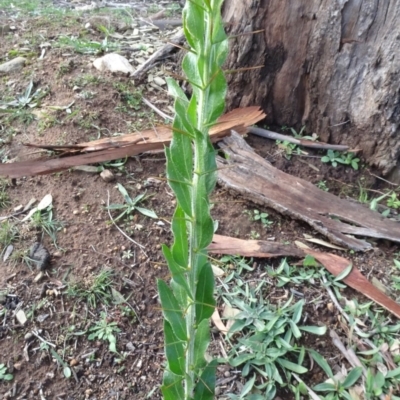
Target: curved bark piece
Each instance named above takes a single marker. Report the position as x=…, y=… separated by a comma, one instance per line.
x=252, y=248
x=249, y=174
x=108, y=149
x=332, y=65
x=335, y=265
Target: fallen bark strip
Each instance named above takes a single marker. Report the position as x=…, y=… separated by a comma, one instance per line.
x=333, y=263
x=160, y=54
x=249, y=174
x=252, y=248
x=301, y=142
x=108, y=149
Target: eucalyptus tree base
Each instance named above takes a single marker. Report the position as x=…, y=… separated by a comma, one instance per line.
x=332, y=65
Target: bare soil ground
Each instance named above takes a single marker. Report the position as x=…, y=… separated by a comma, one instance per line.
x=87, y=244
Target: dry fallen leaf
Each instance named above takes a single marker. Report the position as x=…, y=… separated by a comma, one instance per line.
x=218, y=322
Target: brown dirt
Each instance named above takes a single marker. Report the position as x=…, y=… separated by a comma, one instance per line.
x=88, y=243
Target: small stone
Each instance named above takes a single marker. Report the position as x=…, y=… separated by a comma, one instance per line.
x=57, y=254
x=107, y=176
x=21, y=317
x=41, y=318
x=113, y=62
x=18, y=366
x=28, y=336
x=75, y=212
x=159, y=81
x=130, y=347
x=73, y=362
x=40, y=255
x=13, y=65
x=88, y=393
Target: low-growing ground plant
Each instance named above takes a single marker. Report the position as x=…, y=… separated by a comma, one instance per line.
x=336, y=157
x=105, y=330
x=130, y=205
x=93, y=290
x=264, y=337
x=43, y=221
x=4, y=376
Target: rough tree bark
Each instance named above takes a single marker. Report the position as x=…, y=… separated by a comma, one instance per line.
x=333, y=65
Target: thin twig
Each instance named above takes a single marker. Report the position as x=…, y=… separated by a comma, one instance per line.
x=301, y=142
x=158, y=111
x=379, y=177
x=43, y=340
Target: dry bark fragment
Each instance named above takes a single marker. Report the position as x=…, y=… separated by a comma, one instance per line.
x=256, y=179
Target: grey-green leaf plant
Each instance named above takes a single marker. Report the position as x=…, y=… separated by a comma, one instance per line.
x=188, y=302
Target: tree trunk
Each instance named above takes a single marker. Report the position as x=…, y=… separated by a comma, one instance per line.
x=332, y=65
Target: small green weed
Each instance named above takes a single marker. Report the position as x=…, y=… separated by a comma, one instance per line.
x=322, y=185
x=44, y=222
x=259, y=216
x=8, y=234
x=131, y=205
x=82, y=46
x=336, y=157
x=336, y=389
x=22, y=256
x=94, y=289
x=286, y=273
x=288, y=148
x=393, y=201
x=133, y=99
x=3, y=373
x=105, y=330
x=19, y=108
x=127, y=255
x=4, y=197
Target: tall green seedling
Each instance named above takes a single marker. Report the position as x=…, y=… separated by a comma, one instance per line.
x=188, y=301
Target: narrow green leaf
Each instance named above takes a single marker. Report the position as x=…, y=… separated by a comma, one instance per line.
x=178, y=273
x=122, y=190
x=352, y=377
x=174, y=350
x=344, y=273
x=393, y=373
x=172, y=388
x=180, y=247
x=316, y=330
x=291, y=366
x=204, y=225
x=242, y=358
x=325, y=387
x=146, y=212
x=175, y=90
x=205, y=302
x=248, y=386
x=178, y=183
x=216, y=100
x=171, y=310
x=205, y=387
x=201, y=342
x=321, y=362
x=297, y=311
